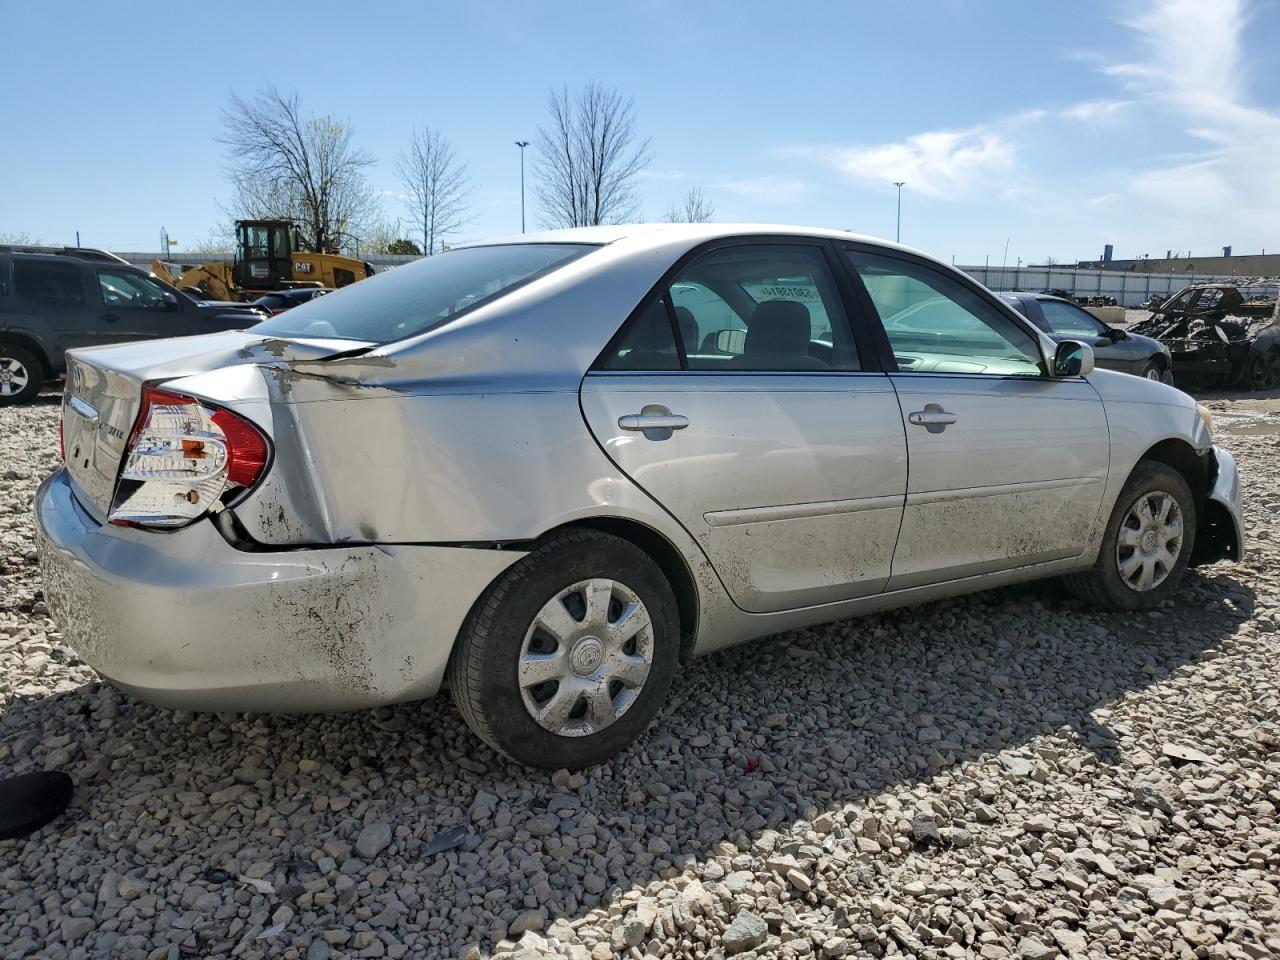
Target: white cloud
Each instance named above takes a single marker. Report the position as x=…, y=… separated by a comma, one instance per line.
x=772, y=188
x=1195, y=68
x=935, y=163
x=1096, y=111
x=649, y=173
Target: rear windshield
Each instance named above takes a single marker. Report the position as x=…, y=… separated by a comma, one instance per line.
x=419, y=296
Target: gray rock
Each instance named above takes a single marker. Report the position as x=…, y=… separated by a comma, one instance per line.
x=746, y=932
x=372, y=840
x=73, y=928
x=1029, y=948
x=542, y=825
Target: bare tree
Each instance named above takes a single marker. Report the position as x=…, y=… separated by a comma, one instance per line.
x=291, y=167
x=696, y=209
x=588, y=158
x=19, y=239
x=437, y=185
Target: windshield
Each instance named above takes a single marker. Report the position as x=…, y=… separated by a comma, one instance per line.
x=422, y=295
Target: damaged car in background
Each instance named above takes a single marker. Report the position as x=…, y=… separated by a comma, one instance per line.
x=545, y=471
x=1221, y=334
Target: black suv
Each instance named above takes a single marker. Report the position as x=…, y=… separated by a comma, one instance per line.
x=56, y=298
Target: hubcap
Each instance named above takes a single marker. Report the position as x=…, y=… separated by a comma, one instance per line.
x=586, y=657
x=13, y=377
x=1149, y=542
x=1153, y=373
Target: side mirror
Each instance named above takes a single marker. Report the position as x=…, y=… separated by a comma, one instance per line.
x=170, y=300
x=1072, y=359
x=1116, y=335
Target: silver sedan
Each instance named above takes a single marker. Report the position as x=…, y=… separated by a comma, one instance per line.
x=546, y=471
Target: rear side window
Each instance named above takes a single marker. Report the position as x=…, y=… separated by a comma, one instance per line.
x=422, y=295
x=51, y=284
x=744, y=307
x=647, y=343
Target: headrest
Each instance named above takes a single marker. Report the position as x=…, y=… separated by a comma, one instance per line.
x=779, y=327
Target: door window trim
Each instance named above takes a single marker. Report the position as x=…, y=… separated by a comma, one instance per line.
x=857, y=323
x=885, y=349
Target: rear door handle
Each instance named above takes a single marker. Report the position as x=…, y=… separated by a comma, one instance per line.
x=653, y=421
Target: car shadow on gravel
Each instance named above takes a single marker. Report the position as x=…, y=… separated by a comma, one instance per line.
x=755, y=737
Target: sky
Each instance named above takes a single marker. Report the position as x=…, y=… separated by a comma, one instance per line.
x=1043, y=129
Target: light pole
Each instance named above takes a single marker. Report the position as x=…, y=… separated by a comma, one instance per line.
x=897, y=238
x=522, y=144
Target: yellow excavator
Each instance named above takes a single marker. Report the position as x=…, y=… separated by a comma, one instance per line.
x=268, y=257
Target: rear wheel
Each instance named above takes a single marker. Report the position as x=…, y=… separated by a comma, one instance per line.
x=1146, y=545
x=567, y=658
x=21, y=375
x=1262, y=372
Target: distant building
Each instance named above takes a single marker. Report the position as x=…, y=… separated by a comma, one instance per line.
x=1242, y=265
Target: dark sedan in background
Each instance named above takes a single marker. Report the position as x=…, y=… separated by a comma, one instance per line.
x=278, y=301
x=1112, y=348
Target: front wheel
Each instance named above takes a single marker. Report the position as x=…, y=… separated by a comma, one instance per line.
x=568, y=657
x=1146, y=545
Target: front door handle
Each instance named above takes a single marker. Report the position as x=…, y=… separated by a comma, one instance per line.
x=110, y=317
x=932, y=417
x=654, y=420
x=641, y=421
x=928, y=418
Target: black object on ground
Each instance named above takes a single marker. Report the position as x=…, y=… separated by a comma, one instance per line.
x=30, y=801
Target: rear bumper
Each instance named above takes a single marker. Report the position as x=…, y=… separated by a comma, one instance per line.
x=184, y=619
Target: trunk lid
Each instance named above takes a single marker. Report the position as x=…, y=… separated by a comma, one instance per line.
x=104, y=393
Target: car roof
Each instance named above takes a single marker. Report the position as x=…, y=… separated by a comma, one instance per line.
x=692, y=233
x=82, y=254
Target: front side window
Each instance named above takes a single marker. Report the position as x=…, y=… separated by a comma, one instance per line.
x=936, y=324
x=762, y=308
x=51, y=284
x=423, y=295
x=1067, y=320
x=123, y=289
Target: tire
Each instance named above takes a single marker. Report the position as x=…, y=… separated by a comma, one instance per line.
x=21, y=375
x=1154, y=370
x=1261, y=371
x=1116, y=584
x=537, y=613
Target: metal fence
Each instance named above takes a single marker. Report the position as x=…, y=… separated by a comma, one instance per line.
x=381, y=261
x=1129, y=289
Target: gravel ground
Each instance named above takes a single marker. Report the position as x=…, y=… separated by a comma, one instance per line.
x=1009, y=774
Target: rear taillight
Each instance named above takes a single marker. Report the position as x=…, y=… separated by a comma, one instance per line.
x=182, y=457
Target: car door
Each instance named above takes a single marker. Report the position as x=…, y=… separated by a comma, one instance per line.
x=135, y=307
x=1006, y=464
x=739, y=398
